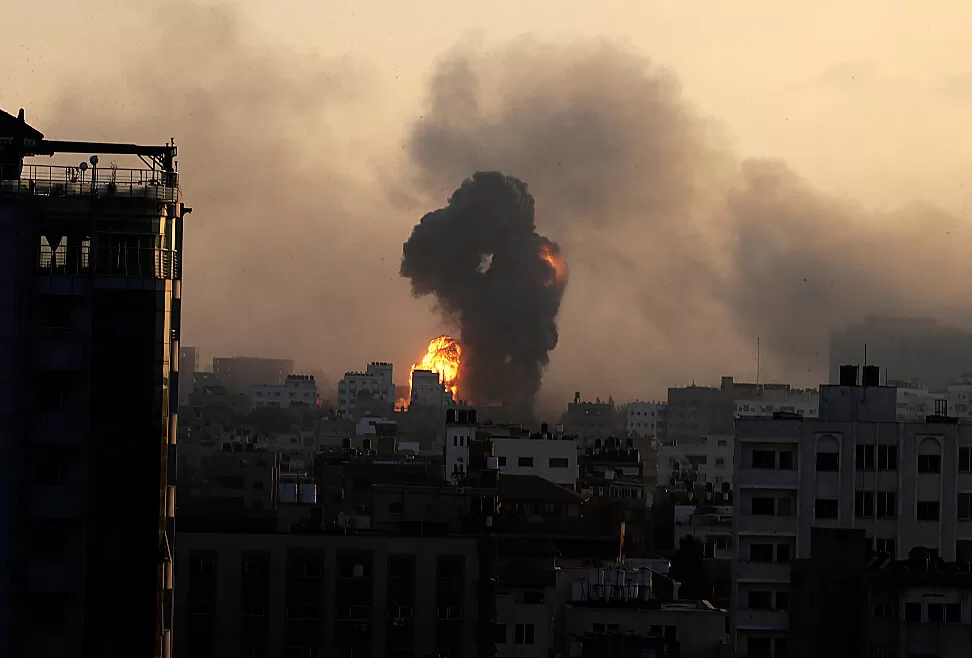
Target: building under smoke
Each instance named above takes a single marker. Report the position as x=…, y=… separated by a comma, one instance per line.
x=497, y=280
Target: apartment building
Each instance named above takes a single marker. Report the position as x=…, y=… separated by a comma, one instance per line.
x=707, y=460
x=905, y=484
x=365, y=389
x=296, y=391
x=282, y=595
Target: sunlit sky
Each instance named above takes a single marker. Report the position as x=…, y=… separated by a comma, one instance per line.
x=898, y=75
x=868, y=99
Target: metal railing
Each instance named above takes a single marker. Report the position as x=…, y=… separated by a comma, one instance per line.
x=116, y=261
x=101, y=182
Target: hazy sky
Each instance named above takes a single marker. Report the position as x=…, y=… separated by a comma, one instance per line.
x=868, y=102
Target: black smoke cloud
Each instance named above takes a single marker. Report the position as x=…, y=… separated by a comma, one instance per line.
x=682, y=254
x=482, y=259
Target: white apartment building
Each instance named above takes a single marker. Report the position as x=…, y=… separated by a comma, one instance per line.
x=642, y=418
x=376, y=381
x=907, y=484
x=296, y=390
x=916, y=402
x=773, y=399
x=709, y=459
x=518, y=452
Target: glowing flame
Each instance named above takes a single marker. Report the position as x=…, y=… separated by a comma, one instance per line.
x=558, y=266
x=442, y=356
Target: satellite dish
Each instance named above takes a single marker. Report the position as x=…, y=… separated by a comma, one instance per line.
x=83, y=166
x=93, y=160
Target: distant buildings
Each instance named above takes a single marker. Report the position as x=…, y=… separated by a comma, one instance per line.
x=370, y=391
x=297, y=390
x=643, y=418
x=188, y=365
x=90, y=286
x=240, y=374
x=428, y=391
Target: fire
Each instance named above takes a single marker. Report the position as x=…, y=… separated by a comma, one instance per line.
x=442, y=356
x=551, y=254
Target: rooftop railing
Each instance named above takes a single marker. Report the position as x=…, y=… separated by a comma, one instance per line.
x=80, y=260
x=100, y=182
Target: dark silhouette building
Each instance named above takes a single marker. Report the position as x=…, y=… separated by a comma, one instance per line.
x=90, y=301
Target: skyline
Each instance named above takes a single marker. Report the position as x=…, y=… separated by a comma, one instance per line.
x=347, y=198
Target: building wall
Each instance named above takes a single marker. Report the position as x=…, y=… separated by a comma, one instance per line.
x=863, y=478
x=377, y=380
x=643, y=417
x=709, y=457
x=312, y=584
x=296, y=390
x=534, y=610
x=540, y=452
x=239, y=374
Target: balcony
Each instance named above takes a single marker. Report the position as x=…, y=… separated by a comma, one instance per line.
x=767, y=525
x=763, y=571
x=763, y=619
x=114, y=260
x=767, y=478
x=58, y=181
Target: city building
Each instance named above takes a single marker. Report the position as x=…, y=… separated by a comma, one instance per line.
x=705, y=461
x=614, y=472
x=710, y=524
x=643, y=418
x=314, y=595
x=429, y=391
x=359, y=390
x=240, y=374
x=593, y=420
x=518, y=451
x=297, y=391
x=620, y=611
x=906, y=348
x=907, y=485
x=90, y=323
x=188, y=365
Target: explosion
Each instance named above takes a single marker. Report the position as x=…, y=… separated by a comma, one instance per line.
x=495, y=279
x=551, y=254
x=442, y=356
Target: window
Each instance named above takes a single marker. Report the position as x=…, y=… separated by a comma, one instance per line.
x=764, y=459
x=886, y=504
x=912, y=612
x=782, y=600
x=828, y=461
x=865, y=458
x=887, y=458
x=780, y=644
x=758, y=647
x=953, y=613
x=782, y=553
x=501, y=461
x=598, y=628
x=761, y=552
x=884, y=609
x=557, y=462
x=258, y=485
x=965, y=460
x=720, y=461
x=927, y=510
x=524, y=461
x=396, y=507
x=532, y=598
x=499, y=633
x=723, y=443
x=784, y=506
x=936, y=612
x=929, y=464
x=523, y=634
x=884, y=545
x=760, y=600
x=965, y=506
x=764, y=506
x=825, y=508
x=864, y=504
x=787, y=461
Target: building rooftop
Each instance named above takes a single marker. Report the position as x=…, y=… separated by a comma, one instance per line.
x=534, y=487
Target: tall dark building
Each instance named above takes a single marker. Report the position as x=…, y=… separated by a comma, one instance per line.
x=90, y=288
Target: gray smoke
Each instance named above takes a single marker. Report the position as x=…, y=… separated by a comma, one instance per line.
x=681, y=255
x=483, y=260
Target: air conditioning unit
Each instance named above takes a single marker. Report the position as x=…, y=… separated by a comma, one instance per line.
x=398, y=622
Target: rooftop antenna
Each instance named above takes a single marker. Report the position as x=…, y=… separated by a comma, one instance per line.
x=757, y=359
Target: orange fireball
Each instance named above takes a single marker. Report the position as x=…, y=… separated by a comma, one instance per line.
x=550, y=253
x=442, y=356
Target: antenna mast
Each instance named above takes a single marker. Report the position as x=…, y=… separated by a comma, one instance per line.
x=757, y=359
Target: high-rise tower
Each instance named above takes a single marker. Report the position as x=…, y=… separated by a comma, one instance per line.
x=90, y=306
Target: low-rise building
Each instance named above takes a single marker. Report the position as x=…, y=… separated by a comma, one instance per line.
x=429, y=391
x=643, y=418
x=628, y=612
x=297, y=390
x=373, y=387
x=613, y=473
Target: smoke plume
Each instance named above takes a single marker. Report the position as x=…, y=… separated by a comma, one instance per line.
x=681, y=253
x=497, y=280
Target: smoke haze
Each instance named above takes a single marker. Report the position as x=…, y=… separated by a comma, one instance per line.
x=483, y=260
x=681, y=252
